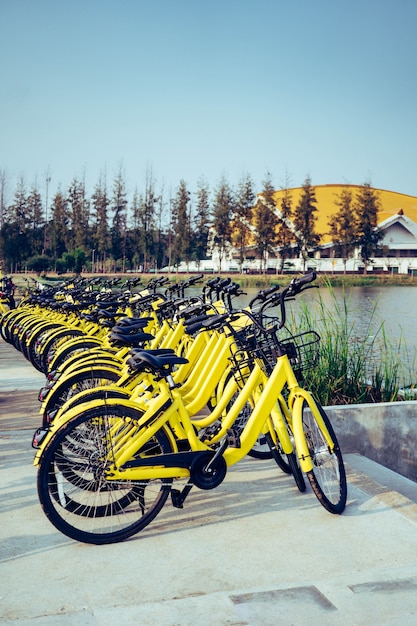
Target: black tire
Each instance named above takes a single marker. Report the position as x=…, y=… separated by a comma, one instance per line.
x=288, y=463
x=90, y=358
x=261, y=449
x=34, y=345
x=55, y=342
x=69, y=387
x=22, y=330
x=72, y=488
x=278, y=455
x=328, y=477
x=65, y=353
x=296, y=471
x=8, y=320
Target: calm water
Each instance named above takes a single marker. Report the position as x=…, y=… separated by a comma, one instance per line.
x=368, y=307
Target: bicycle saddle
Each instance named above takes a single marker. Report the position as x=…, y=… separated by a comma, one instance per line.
x=159, y=363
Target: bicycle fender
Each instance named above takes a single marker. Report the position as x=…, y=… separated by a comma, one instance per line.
x=60, y=422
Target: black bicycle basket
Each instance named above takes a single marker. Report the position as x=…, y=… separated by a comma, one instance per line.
x=242, y=353
x=251, y=343
x=302, y=349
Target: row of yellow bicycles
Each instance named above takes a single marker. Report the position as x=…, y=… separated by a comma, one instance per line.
x=152, y=392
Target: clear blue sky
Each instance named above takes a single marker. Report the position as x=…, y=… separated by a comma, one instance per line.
x=324, y=88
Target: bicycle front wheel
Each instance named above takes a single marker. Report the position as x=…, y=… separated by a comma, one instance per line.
x=72, y=485
x=328, y=476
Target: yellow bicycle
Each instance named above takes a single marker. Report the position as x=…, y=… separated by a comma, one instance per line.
x=106, y=473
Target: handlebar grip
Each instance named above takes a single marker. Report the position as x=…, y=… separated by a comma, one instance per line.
x=195, y=279
x=305, y=280
x=224, y=282
x=270, y=290
x=213, y=281
x=263, y=294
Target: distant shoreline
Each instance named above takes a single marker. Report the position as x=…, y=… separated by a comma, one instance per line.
x=245, y=280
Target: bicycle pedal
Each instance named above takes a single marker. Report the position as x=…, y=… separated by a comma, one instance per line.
x=178, y=497
x=211, y=431
x=233, y=438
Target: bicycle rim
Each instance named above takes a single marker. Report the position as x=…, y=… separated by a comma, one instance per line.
x=328, y=476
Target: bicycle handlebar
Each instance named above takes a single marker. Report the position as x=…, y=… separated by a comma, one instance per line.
x=270, y=299
x=296, y=286
x=298, y=283
x=263, y=294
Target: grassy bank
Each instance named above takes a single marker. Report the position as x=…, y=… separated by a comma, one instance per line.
x=257, y=281
x=335, y=280
x=356, y=367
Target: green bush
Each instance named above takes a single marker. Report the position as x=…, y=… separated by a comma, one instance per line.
x=39, y=264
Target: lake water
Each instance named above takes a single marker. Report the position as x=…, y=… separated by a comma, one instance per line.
x=395, y=307
x=368, y=308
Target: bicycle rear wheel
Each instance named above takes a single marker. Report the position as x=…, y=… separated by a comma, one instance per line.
x=328, y=476
x=72, y=487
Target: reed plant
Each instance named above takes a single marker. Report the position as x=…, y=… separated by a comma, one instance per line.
x=355, y=365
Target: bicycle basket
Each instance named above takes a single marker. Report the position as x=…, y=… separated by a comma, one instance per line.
x=241, y=354
x=241, y=366
x=302, y=350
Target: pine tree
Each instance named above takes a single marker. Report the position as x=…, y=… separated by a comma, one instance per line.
x=223, y=207
x=161, y=236
x=305, y=219
x=135, y=227
x=3, y=208
x=16, y=237
x=61, y=236
x=180, y=223
x=343, y=226
x=266, y=222
x=3, y=211
x=36, y=228
x=145, y=216
x=79, y=212
x=245, y=200
x=119, y=222
x=285, y=235
x=201, y=221
x=366, y=209
x=100, y=224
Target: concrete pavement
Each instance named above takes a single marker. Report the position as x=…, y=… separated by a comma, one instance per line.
x=254, y=551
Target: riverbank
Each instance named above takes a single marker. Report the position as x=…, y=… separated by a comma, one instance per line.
x=257, y=281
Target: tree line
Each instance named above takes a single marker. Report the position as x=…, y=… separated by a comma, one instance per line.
x=108, y=232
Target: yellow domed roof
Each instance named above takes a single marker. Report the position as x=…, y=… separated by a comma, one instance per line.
x=391, y=203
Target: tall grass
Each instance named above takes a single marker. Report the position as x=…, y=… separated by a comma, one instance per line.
x=356, y=365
